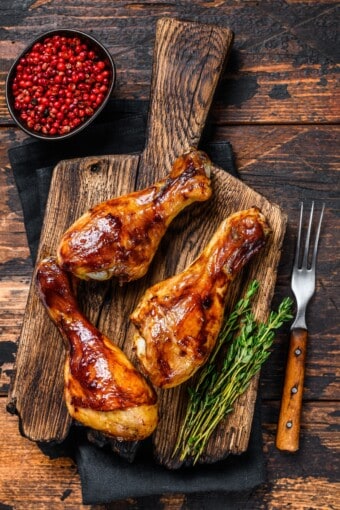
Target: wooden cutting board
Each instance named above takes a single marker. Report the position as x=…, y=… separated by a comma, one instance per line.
x=188, y=61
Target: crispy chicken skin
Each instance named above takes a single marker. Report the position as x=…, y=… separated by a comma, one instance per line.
x=102, y=389
x=119, y=237
x=178, y=320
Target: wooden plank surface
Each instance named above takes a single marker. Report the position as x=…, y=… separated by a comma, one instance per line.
x=30, y=480
x=282, y=70
x=283, y=67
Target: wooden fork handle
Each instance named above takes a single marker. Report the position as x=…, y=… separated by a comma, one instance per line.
x=288, y=430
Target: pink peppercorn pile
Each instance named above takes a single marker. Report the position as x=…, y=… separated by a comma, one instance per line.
x=59, y=84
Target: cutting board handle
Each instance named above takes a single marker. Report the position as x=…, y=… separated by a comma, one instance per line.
x=189, y=58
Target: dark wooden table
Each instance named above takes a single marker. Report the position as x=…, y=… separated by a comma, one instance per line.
x=279, y=106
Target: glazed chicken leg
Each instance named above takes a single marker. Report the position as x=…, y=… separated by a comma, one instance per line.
x=119, y=237
x=102, y=389
x=178, y=320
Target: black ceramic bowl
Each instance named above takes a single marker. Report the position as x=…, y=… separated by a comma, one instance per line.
x=28, y=89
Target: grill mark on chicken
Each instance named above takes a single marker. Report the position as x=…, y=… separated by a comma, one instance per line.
x=207, y=302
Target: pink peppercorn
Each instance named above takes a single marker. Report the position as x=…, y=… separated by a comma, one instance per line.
x=59, y=84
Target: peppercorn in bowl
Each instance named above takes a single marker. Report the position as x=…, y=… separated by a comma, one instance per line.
x=59, y=84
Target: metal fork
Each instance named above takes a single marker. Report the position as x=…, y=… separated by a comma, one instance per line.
x=303, y=287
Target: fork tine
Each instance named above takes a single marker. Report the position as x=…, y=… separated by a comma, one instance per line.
x=315, y=251
x=305, y=255
x=298, y=242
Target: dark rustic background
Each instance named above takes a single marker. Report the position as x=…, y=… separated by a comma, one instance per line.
x=278, y=104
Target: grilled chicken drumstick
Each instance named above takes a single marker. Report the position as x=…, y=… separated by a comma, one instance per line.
x=119, y=237
x=178, y=320
x=102, y=390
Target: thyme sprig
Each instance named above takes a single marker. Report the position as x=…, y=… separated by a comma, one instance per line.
x=221, y=382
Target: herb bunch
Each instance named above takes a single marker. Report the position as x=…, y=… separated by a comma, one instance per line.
x=221, y=382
